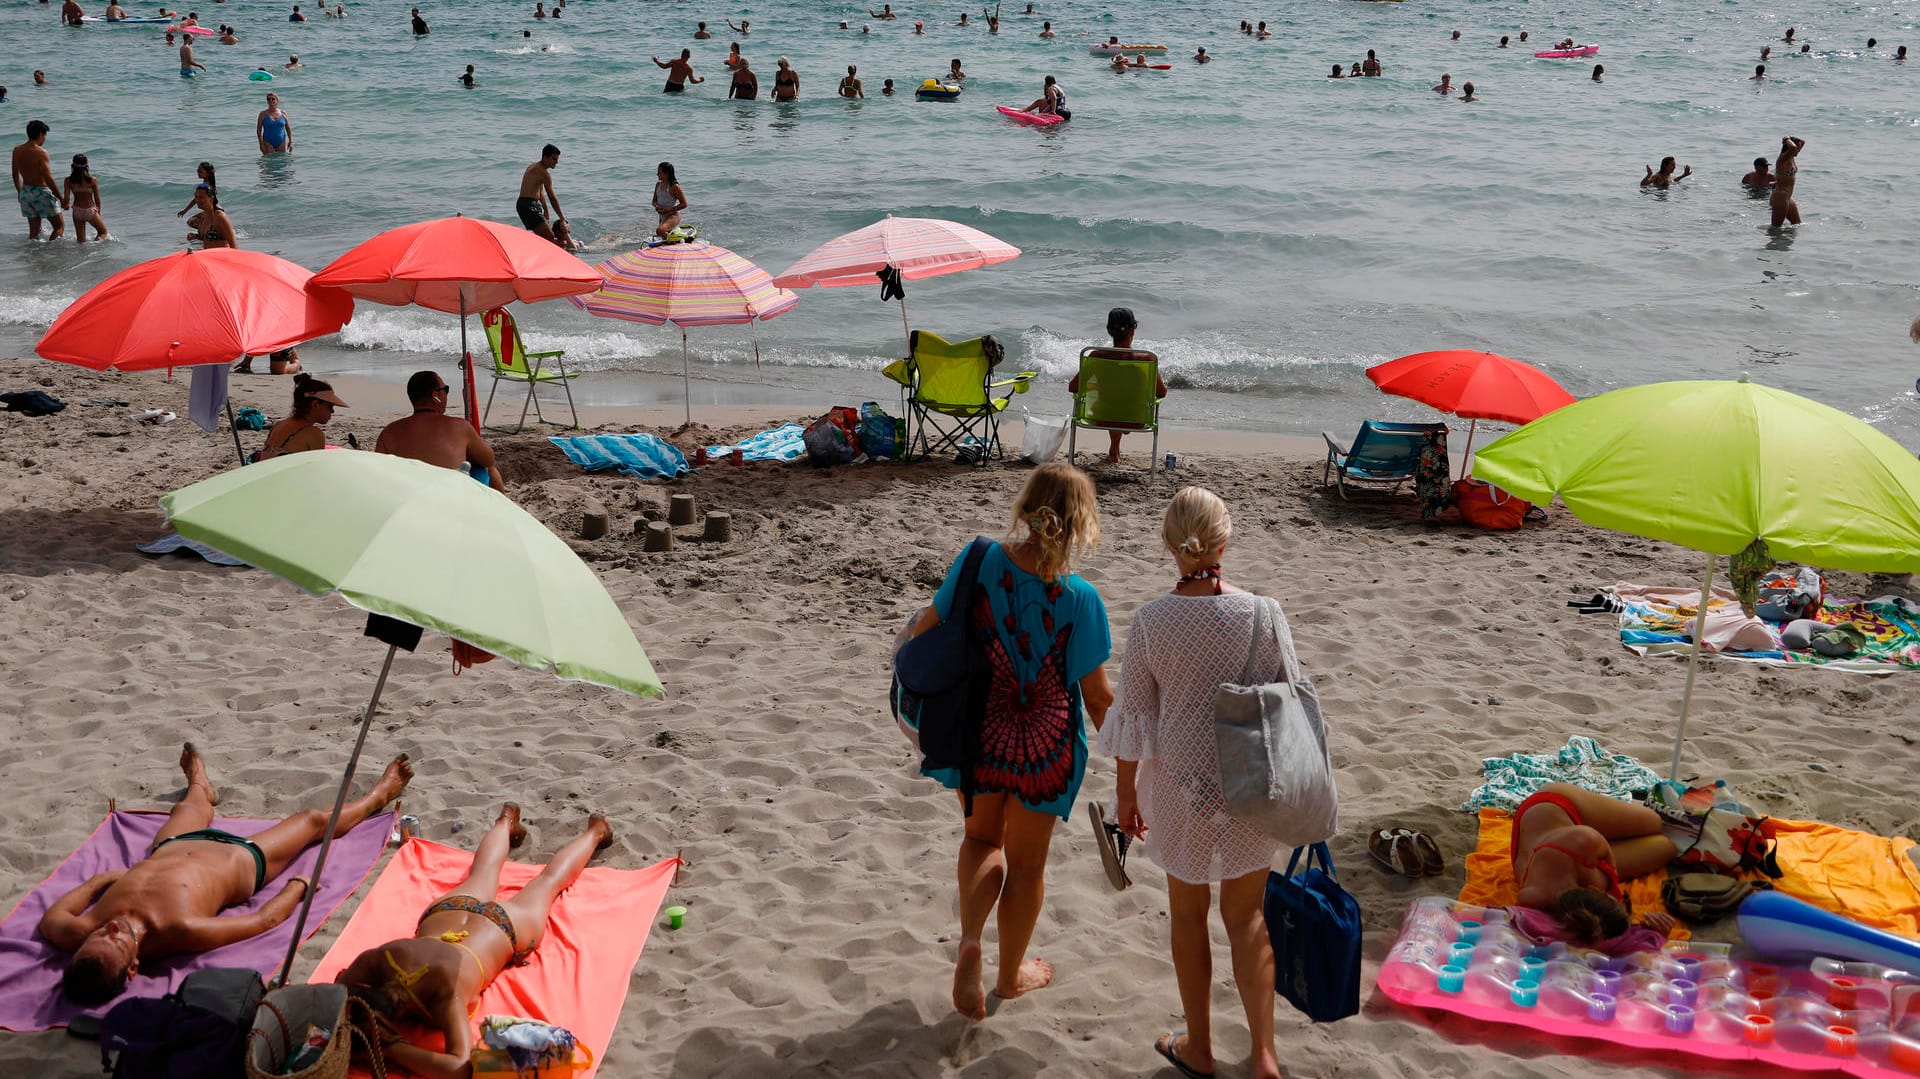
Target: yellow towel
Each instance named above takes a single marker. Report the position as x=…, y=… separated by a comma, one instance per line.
x=1866, y=877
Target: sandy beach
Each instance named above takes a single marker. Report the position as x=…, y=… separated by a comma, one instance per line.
x=820, y=894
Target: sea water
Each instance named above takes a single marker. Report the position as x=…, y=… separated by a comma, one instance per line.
x=1277, y=232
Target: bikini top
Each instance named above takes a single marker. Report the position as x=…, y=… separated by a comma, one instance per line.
x=1605, y=867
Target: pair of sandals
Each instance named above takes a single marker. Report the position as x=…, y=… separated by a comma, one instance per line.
x=1113, y=844
x=1598, y=603
x=1406, y=852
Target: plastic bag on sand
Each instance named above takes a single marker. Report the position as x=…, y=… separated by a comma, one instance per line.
x=1041, y=440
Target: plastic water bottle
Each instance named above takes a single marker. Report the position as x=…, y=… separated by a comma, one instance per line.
x=1723, y=798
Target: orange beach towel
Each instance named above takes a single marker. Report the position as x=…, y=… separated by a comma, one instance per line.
x=577, y=978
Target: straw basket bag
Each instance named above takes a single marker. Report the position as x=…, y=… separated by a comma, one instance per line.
x=282, y=1020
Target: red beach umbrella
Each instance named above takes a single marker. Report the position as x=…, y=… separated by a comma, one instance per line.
x=457, y=265
x=1474, y=385
x=913, y=247
x=191, y=308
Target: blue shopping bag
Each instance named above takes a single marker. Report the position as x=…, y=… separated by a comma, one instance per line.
x=1315, y=929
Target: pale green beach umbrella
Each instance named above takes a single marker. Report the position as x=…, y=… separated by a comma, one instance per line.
x=1715, y=466
x=426, y=546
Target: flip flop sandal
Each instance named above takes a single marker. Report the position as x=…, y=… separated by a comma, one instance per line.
x=1431, y=863
x=1165, y=1048
x=1393, y=848
x=1113, y=844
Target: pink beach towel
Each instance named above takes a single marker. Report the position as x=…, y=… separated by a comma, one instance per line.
x=577, y=978
x=30, y=968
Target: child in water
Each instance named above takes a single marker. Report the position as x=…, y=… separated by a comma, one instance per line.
x=81, y=194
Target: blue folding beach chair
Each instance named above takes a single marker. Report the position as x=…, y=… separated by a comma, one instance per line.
x=1382, y=454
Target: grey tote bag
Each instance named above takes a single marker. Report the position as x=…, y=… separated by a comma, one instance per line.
x=1275, y=771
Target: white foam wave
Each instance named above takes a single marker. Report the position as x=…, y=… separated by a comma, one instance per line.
x=553, y=49
x=397, y=330
x=1207, y=360
x=37, y=309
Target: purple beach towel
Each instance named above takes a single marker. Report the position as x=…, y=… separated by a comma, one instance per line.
x=30, y=969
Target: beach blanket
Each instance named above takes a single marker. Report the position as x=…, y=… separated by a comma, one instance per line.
x=1490, y=880
x=174, y=541
x=643, y=457
x=1867, y=877
x=1582, y=762
x=30, y=968
x=577, y=978
x=1659, y=622
x=782, y=443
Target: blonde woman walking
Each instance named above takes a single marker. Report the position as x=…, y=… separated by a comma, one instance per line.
x=1044, y=634
x=1180, y=648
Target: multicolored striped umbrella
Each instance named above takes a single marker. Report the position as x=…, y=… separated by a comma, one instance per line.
x=684, y=285
x=911, y=247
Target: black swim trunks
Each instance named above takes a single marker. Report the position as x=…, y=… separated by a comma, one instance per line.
x=675, y=88
x=532, y=214
x=215, y=835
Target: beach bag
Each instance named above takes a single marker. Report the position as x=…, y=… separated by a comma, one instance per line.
x=880, y=434
x=833, y=439
x=1483, y=505
x=198, y=1031
x=1727, y=842
x=1706, y=897
x=1041, y=439
x=938, y=693
x=528, y=1049
x=1275, y=772
x=307, y=1032
x=1314, y=926
x=1785, y=597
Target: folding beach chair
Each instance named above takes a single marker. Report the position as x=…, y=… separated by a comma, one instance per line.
x=953, y=381
x=1118, y=392
x=1382, y=454
x=513, y=363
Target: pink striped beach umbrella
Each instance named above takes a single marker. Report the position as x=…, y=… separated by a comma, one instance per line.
x=684, y=285
x=912, y=247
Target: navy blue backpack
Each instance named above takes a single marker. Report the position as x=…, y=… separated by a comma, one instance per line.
x=1315, y=929
x=939, y=684
x=196, y=1032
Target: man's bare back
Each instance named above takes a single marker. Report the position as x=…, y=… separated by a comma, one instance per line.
x=169, y=902
x=439, y=439
x=31, y=166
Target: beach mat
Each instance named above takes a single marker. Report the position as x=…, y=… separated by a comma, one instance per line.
x=643, y=457
x=1490, y=880
x=30, y=968
x=577, y=978
x=1869, y=878
x=1659, y=622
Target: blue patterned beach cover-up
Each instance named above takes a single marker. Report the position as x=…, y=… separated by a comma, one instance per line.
x=1040, y=640
x=1581, y=762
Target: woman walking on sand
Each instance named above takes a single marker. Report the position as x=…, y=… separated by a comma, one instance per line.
x=1043, y=632
x=1180, y=648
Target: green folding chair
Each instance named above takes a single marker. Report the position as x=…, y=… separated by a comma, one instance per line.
x=947, y=391
x=1119, y=391
x=513, y=363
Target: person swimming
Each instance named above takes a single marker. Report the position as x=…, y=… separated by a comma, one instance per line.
x=1338, y=72
x=1760, y=177
x=1599, y=70
x=1665, y=177
x=1446, y=85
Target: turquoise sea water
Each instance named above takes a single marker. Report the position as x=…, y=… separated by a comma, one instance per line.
x=1276, y=231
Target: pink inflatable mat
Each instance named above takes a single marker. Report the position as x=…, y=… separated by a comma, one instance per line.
x=1857, y=1018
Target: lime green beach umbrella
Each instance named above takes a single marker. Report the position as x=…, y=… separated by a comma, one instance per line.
x=1716, y=466
x=424, y=545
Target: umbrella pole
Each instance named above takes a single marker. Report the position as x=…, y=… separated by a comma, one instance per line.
x=339, y=801
x=1693, y=666
x=467, y=393
x=903, y=323
x=686, y=376
x=1468, y=459
x=235, y=428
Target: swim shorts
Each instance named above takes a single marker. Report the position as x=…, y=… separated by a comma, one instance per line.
x=37, y=201
x=675, y=88
x=532, y=215
x=215, y=835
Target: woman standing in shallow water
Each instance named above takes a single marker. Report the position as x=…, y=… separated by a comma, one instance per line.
x=1786, y=170
x=1180, y=648
x=1043, y=632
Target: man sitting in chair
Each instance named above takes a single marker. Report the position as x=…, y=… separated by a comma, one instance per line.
x=1121, y=324
x=432, y=436
x=168, y=903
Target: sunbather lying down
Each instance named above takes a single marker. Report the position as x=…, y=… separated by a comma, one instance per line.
x=1573, y=847
x=167, y=904
x=465, y=939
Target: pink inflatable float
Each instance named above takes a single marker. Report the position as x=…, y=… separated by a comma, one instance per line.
x=1860, y=1019
x=1568, y=54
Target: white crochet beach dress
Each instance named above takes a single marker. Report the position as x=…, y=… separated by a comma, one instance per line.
x=1179, y=650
